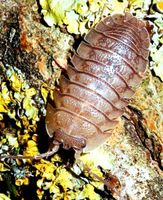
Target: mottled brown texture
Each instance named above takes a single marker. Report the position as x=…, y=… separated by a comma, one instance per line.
x=107, y=66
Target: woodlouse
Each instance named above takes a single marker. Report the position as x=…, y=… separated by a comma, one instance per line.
x=106, y=68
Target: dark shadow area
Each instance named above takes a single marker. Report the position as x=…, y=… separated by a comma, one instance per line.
x=7, y=185
x=42, y=21
x=43, y=141
x=29, y=192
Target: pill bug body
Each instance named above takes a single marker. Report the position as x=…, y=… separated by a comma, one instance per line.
x=107, y=66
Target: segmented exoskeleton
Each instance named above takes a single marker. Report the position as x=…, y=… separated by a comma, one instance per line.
x=107, y=66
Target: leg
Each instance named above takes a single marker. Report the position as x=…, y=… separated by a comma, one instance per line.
x=36, y=157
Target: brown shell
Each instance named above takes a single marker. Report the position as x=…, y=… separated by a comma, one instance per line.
x=106, y=68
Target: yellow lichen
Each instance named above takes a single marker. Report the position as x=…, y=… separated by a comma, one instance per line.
x=40, y=193
x=6, y=94
x=4, y=167
x=136, y=3
x=12, y=140
x=31, y=148
x=4, y=197
x=88, y=192
x=44, y=93
x=159, y=5
x=30, y=92
x=20, y=95
x=15, y=82
x=118, y=6
x=73, y=13
x=45, y=169
x=22, y=181
x=23, y=138
x=156, y=50
x=158, y=58
x=64, y=179
x=30, y=110
x=71, y=20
